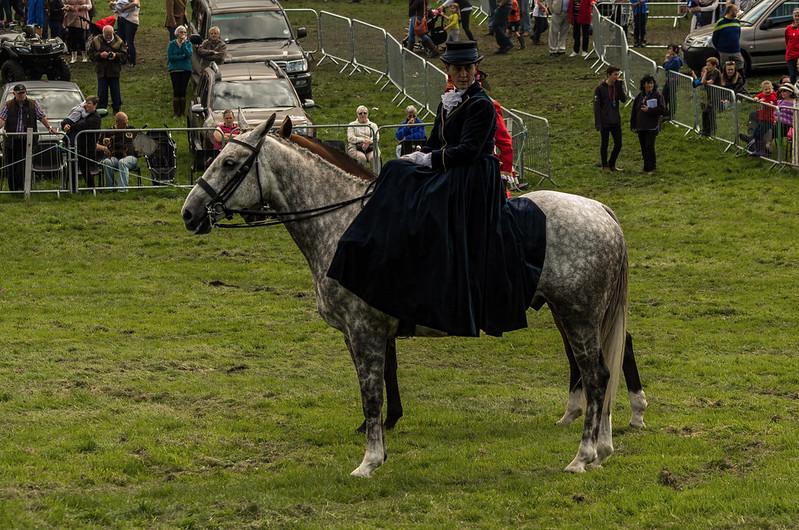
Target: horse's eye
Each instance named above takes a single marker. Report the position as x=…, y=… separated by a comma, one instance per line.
x=229, y=163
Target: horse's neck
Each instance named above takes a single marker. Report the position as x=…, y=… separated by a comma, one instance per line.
x=305, y=182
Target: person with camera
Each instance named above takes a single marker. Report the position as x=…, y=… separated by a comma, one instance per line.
x=108, y=52
x=118, y=151
x=362, y=137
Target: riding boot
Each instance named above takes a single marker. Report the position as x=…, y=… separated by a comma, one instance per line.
x=431, y=48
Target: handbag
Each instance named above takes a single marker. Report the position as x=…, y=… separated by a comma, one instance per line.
x=420, y=26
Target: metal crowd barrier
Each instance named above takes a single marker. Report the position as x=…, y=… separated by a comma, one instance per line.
x=309, y=19
x=757, y=129
x=637, y=67
x=537, y=151
x=335, y=39
x=38, y=163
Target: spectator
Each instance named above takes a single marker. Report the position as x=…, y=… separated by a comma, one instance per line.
x=175, y=16
x=16, y=116
x=731, y=78
x=515, y=22
x=453, y=27
x=120, y=154
x=178, y=53
x=559, y=26
x=225, y=130
x=492, y=8
x=580, y=19
x=785, y=116
x=762, y=126
x=792, y=45
x=640, y=15
x=416, y=14
x=727, y=37
x=76, y=24
x=607, y=119
x=501, y=16
x=704, y=12
x=783, y=80
x=86, y=143
x=540, y=23
x=127, y=13
x=55, y=17
x=503, y=143
x=5, y=11
x=465, y=12
x=109, y=53
x=673, y=63
x=409, y=137
x=35, y=15
x=710, y=77
x=362, y=137
x=647, y=108
x=213, y=48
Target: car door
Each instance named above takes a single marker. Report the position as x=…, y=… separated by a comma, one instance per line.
x=769, y=35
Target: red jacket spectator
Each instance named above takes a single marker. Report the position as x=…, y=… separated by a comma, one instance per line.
x=504, y=144
x=791, y=42
x=583, y=14
x=514, y=15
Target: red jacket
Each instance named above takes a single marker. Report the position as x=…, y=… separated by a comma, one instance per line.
x=584, y=13
x=791, y=43
x=514, y=15
x=503, y=143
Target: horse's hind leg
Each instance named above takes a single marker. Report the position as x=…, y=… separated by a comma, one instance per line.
x=368, y=355
x=574, y=406
x=635, y=391
x=393, y=401
x=595, y=376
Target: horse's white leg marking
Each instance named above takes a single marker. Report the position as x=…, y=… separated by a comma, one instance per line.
x=574, y=408
x=604, y=446
x=375, y=448
x=638, y=404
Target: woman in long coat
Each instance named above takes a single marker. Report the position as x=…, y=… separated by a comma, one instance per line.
x=435, y=245
x=76, y=22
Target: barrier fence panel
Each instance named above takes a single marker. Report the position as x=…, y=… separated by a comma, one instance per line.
x=436, y=84
x=369, y=44
x=600, y=38
x=787, y=119
x=537, y=159
x=335, y=39
x=308, y=19
x=414, y=79
x=615, y=51
x=718, y=116
x=518, y=135
x=681, y=100
x=394, y=63
x=46, y=158
x=756, y=128
x=637, y=67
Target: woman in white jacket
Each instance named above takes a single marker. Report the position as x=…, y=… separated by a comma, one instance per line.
x=362, y=137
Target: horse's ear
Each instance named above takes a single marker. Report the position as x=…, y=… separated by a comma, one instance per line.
x=265, y=126
x=285, y=128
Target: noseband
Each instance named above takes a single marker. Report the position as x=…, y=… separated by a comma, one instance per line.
x=216, y=207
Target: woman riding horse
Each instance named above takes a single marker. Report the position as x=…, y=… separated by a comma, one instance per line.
x=436, y=245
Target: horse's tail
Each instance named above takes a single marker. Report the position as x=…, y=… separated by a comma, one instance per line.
x=614, y=329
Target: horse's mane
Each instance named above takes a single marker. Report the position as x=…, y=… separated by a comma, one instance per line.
x=334, y=156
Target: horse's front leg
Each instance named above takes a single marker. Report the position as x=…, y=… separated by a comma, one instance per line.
x=368, y=354
x=393, y=401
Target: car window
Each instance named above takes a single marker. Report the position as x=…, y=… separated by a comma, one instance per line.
x=263, y=94
x=56, y=103
x=264, y=25
x=783, y=13
x=754, y=13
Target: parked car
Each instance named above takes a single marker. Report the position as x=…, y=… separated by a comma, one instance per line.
x=253, y=91
x=762, y=37
x=56, y=98
x=254, y=31
x=27, y=56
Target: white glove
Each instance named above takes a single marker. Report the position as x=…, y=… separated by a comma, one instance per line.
x=419, y=158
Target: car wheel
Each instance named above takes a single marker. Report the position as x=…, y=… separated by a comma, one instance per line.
x=12, y=71
x=59, y=71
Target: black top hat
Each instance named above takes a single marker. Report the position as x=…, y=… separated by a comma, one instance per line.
x=461, y=53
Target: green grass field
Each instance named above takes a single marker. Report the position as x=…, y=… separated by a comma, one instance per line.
x=154, y=379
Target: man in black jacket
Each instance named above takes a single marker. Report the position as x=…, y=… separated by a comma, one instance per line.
x=607, y=120
x=86, y=142
x=16, y=116
x=109, y=52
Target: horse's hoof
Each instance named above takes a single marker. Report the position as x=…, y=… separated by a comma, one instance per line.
x=568, y=417
x=603, y=452
x=576, y=466
x=637, y=422
x=366, y=469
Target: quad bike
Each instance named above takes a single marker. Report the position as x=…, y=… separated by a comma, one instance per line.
x=26, y=56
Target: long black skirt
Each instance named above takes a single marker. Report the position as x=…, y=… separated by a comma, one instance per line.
x=444, y=250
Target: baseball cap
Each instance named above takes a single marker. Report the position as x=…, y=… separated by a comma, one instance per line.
x=20, y=88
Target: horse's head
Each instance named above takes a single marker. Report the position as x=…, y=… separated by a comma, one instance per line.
x=232, y=182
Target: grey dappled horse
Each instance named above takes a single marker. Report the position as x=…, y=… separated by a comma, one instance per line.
x=583, y=281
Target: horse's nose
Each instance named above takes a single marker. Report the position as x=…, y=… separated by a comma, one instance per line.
x=187, y=215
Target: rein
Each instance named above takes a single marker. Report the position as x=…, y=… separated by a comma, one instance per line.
x=216, y=208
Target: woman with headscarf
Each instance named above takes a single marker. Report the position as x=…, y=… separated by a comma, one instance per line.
x=435, y=245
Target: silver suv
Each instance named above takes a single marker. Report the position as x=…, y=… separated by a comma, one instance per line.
x=762, y=37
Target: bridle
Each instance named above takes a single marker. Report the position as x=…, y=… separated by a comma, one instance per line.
x=217, y=209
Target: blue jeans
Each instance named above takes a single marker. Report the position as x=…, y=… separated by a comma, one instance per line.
x=412, y=37
x=124, y=165
x=127, y=32
x=104, y=85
